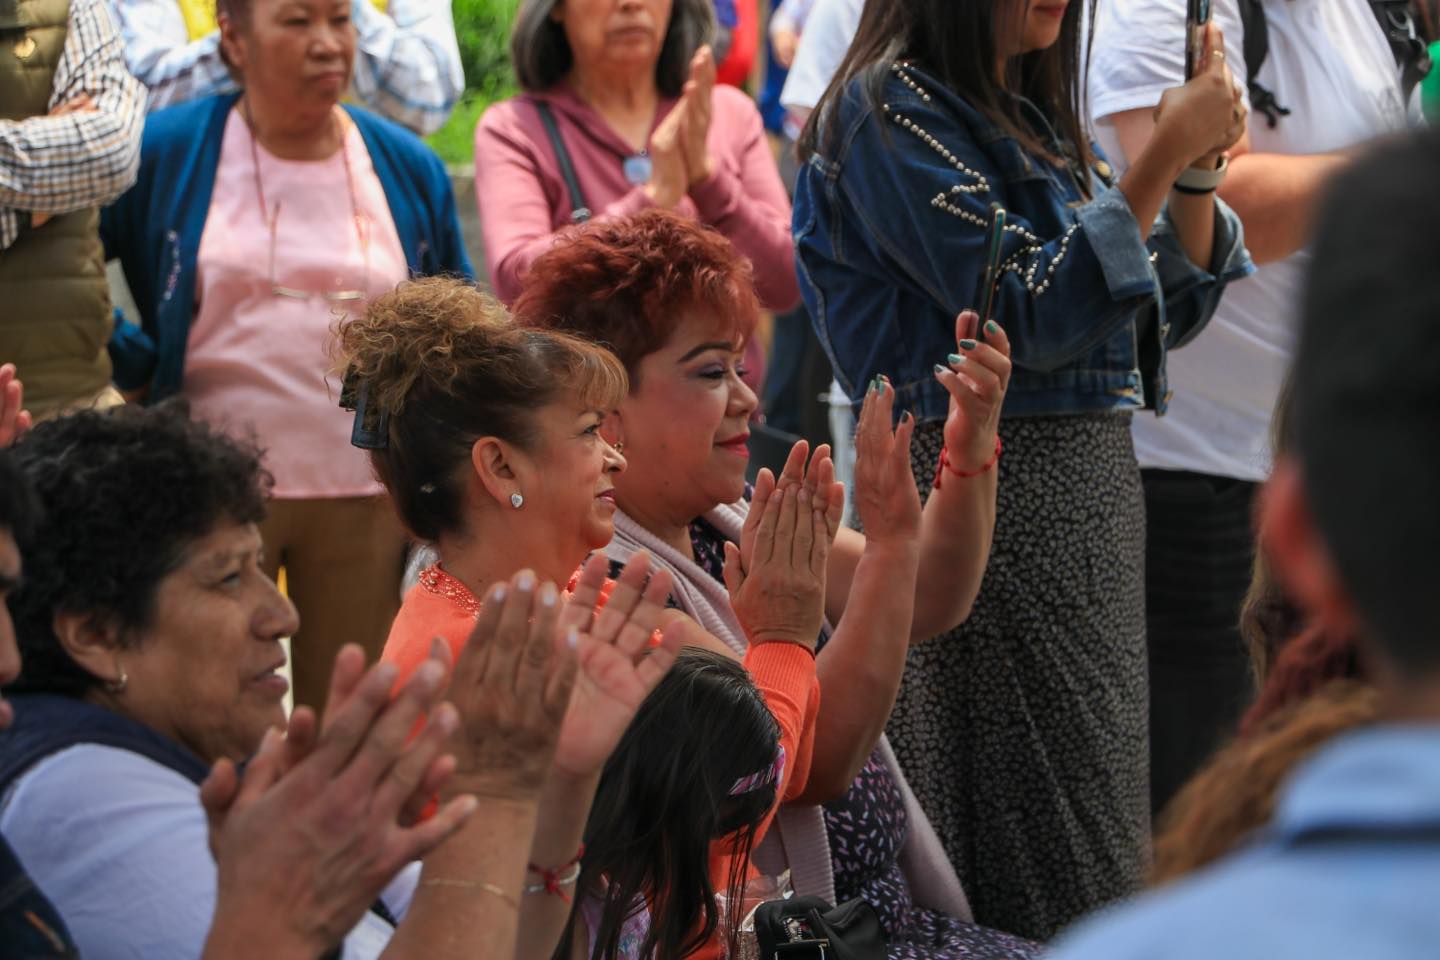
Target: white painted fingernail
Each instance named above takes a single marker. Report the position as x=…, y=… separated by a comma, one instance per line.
x=572, y=638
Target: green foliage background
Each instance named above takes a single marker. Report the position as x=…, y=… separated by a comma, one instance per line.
x=483, y=29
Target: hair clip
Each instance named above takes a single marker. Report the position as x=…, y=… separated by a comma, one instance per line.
x=762, y=778
x=371, y=430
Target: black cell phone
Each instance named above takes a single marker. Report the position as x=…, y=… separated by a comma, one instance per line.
x=1197, y=17
x=994, y=234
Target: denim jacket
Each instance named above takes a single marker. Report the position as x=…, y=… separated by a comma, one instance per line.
x=890, y=223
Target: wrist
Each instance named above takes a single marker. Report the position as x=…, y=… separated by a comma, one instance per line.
x=236, y=934
x=946, y=468
x=660, y=197
x=702, y=172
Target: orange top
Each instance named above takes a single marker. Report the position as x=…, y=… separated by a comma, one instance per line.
x=441, y=606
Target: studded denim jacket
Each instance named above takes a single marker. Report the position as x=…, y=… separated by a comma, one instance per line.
x=890, y=221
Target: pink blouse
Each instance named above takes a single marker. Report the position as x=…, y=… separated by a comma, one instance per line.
x=260, y=362
x=523, y=199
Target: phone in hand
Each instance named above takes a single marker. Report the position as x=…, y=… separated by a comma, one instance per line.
x=1197, y=18
x=994, y=234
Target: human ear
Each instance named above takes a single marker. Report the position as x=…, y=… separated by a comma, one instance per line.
x=495, y=465
x=92, y=643
x=1298, y=555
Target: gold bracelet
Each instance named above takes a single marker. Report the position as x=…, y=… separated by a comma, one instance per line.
x=489, y=888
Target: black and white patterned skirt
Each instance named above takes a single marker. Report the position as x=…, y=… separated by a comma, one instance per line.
x=1024, y=732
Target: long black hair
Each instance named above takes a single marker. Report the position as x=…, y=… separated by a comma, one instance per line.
x=665, y=798
x=958, y=41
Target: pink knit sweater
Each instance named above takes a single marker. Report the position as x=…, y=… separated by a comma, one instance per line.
x=523, y=199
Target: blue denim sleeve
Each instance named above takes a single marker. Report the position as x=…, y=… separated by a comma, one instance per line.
x=1192, y=294
x=920, y=190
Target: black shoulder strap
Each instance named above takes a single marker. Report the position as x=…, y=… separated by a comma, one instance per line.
x=579, y=211
x=1257, y=48
x=1397, y=23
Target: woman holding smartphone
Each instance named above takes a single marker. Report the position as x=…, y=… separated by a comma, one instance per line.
x=1026, y=729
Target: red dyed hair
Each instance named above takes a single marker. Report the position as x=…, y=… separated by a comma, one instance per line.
x=627, y=284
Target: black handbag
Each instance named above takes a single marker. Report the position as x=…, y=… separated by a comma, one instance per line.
x=808, y=928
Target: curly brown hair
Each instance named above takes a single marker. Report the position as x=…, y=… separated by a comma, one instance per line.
x=449, y=366
x=628, y=283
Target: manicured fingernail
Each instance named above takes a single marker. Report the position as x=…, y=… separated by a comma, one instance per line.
x=991, y=326
x=572, y=638
x=429, y=674
x=941, y=368
x=956, y=358
x=908, y=417
x=874, y=384
x=446, y=720
x=467, y=805
x=525, y=582
x=548, y=595
x=968, y=344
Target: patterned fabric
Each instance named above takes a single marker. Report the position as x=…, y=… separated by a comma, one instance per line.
x=62, y=164
x=407, y=63
x=867, y=829
x=1023, y=732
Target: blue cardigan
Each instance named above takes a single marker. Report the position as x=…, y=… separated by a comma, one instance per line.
x=155, y=227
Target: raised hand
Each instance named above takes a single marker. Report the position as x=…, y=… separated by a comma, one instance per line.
x=778, y=593
x=312, y=833
x=818, y=477
x=1207, y=115
x=886, y=497
x=511, y=685
x=669, y=179
x=976, y=376
x=13, y=419
x=618, y=665
x=695, y=127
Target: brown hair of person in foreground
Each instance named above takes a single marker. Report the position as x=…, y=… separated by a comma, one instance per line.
x=1235, y=794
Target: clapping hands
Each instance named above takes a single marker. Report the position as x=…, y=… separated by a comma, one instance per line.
x=679, y=155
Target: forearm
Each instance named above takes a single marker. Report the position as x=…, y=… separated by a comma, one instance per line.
x=955, y=534
x=861, y=667
x=1275, y=196
x=466, y=905
x=1147, y=184
x=560, y=829
x=1193, y=215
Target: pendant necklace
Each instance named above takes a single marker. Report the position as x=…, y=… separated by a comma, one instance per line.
x=637, y=168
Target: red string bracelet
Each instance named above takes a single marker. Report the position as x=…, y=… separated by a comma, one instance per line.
x=552, y=879
x=943, y=466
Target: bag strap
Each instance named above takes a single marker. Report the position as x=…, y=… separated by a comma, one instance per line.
x=1257, y=48
x=1397, y=23
x=579, y=211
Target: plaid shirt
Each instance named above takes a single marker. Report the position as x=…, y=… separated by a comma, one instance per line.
x=62, y=164
x=407, y=65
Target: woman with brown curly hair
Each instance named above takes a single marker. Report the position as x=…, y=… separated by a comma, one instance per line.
x=488, y=437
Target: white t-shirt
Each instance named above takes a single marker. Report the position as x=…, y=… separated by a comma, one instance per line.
x=1328, y=63
x=119, y=844
x=828, y=31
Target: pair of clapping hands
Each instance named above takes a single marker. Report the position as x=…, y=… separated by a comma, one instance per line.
x=326, y=814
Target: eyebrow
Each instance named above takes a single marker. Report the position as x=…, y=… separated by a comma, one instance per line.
x=725, y=345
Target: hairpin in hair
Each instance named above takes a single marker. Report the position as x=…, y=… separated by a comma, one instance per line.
x=371, y=430
x=762, y=778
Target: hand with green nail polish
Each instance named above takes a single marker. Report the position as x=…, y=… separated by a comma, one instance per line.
x=978, y=375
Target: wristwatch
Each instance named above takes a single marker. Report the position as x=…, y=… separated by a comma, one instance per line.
x=1192, y=180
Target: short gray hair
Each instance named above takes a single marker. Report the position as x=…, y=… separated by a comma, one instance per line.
x=541, y=54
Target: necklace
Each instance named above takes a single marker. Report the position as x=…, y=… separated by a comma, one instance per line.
x=362, y=233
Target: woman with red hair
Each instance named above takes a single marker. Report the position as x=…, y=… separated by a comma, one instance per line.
x=676, y=303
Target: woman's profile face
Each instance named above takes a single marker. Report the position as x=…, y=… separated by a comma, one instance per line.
x=205, y=670
x=614, y=35
x=686, y=423
x=295, y=53
x=1030, y=25
x=567, y=479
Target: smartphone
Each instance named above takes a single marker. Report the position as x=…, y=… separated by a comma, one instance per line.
x=994, y=234
x=1197, y=18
